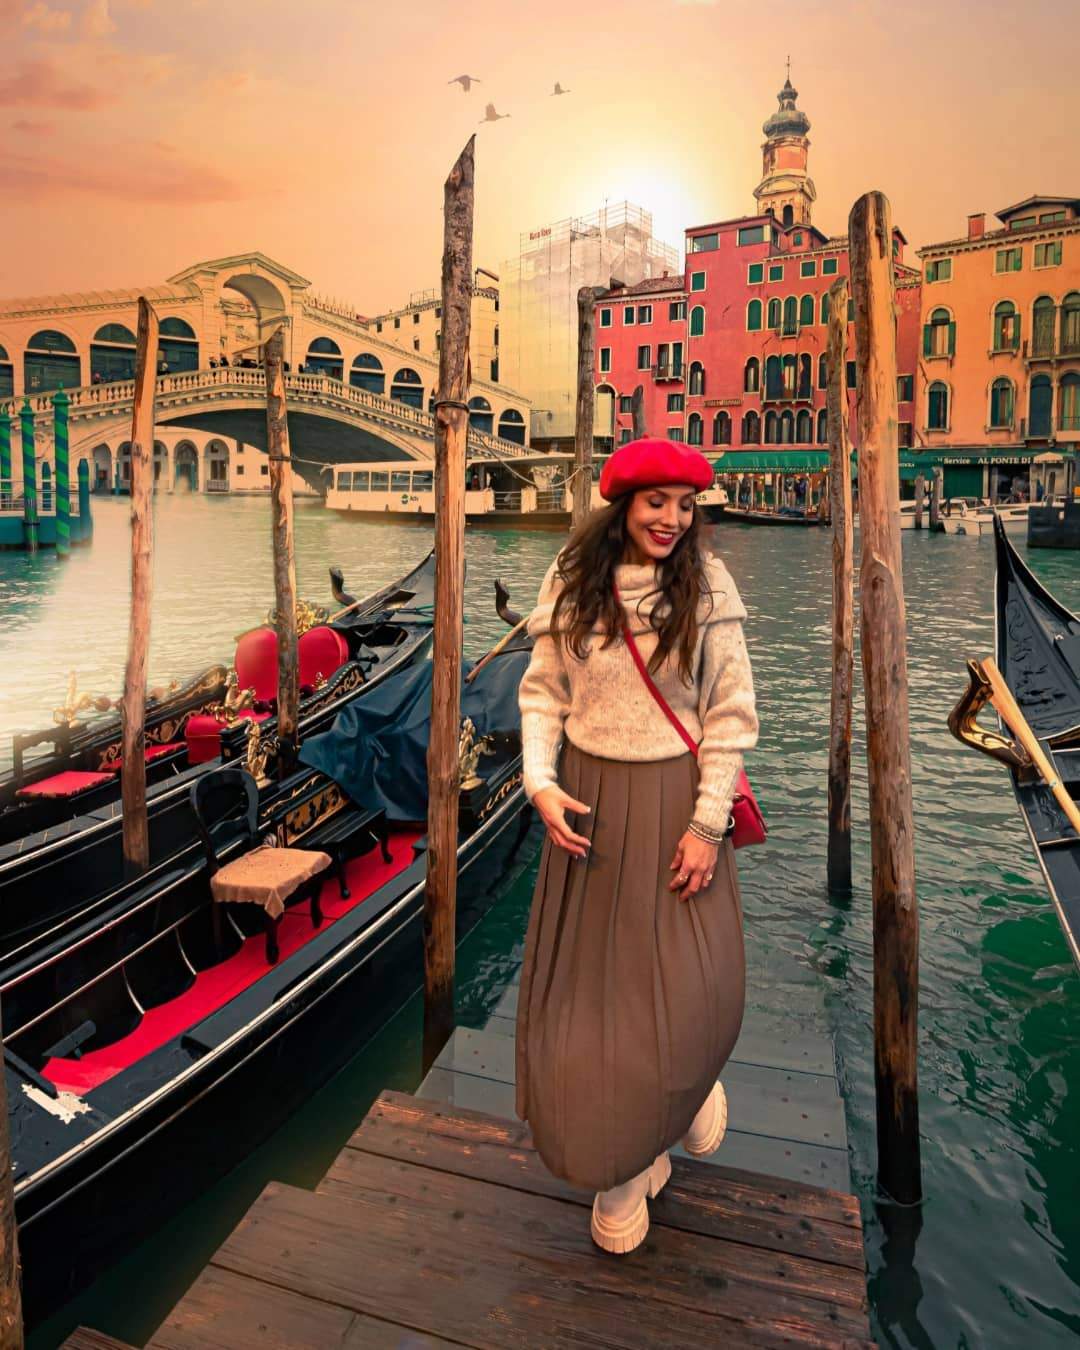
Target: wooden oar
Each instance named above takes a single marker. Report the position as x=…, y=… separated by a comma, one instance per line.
x=1002, y=698
x=502, y=642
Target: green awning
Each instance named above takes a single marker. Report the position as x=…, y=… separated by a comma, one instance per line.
x=772, y=461
x=912, y=463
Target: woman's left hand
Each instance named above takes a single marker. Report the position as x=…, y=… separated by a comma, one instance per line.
x=693, y=865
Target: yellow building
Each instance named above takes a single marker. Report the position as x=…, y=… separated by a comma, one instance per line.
x=999, y=376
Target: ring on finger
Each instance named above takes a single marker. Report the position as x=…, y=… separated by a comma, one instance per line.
x=681, y=878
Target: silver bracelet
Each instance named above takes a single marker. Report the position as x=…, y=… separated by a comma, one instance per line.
x=708, y=834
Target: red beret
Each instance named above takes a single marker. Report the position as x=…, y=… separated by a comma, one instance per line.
x=651, y=462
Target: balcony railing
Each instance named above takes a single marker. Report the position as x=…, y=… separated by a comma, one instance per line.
x=668, y=370
x=1045, y=348
x=1069, y=423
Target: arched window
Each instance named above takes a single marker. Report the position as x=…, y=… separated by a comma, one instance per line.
x=721, y=429
x=178, y=346
x=823, y=371
x=788, y=216
x=775, y=310
x=1001, y=403
x=805, y=375
x=804, y=427
x=1069, y=417
x=939, y=335
x=512, y=426
x=789, y=376
x=752, y=376
x=695, y=429
x=774, y=377
x=1070, y=324
x=787, y=427
x=791, y=316
x=1006, y=327
x=938, y=407
x=825, y=305
x=751, y=428
x=367, y=373
x=806, y=311
x=697, y=321
x=480, y=415
x=7, y=374
x=697, y=378
x=408, y=387
x=770, y=428
x=1042, y=327
x=1040, y=407
x=50, y=362
x=324, y=358
x=753, y=316
x=822, y=426
x=112, y=354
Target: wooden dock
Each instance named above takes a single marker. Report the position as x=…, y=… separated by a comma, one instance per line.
x=438, y=1225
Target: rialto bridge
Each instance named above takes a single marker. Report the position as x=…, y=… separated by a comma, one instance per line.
x=351, y=394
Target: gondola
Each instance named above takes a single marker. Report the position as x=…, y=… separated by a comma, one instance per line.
x=1037, y=652
x=147, y=1054
x=784, y=517
x=74, y=870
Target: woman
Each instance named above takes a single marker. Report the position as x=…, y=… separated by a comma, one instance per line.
x=632, y=989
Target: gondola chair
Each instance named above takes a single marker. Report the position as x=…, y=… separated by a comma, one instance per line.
x=226, y=807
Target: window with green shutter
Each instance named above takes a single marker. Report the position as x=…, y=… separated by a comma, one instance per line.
x=939, y=270
x=806, y=311
x=750, y=234
x=829, y=266
x=755, y=274
x=753, y=316
x=697, y=281
x=826, y=305
x=605, y=318
x=1048, y=255
x=1008, y=260
x=776, y=271
x=905, y=388
x=850, y=310
x=697, y=321
x=808, y=267
x=797, y=239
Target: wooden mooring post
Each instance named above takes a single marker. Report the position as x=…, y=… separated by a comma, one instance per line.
x=838, y=865
x=281, y=516
x=585, y=410
x=920, y=489
x=637, y=412
x=936, y=483
x=451, y=430
x=136, y=834
x=884, y=660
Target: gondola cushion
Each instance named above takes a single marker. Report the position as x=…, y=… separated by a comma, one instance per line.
x=151, y=753
x=322, y=651
x=67, y=784
x=256, y=663
x=203, y=734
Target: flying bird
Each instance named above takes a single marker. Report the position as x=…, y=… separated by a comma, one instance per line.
x=490, y=115
x=466, y=82
x=559, y=90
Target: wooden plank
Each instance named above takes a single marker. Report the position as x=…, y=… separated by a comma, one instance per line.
x=448, y=1255
x=86, y=1338
x=226, y=1311
x=410, y=1129
x=465, y=1089
x=719, y=1202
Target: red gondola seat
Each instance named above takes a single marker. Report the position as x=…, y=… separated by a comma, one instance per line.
x=202, y=733
x=256, y=663
x=67, y=784
x=151, y=753
x=321, y=652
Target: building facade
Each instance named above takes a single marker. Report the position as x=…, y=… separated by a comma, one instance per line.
x=999, y=360
x=750, y=319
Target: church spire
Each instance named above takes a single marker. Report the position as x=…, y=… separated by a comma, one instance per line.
x=786, y=189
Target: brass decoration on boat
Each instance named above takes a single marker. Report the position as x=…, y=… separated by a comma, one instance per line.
x=504, y=790
x=257, y=754
x=469, y=751
x=77, y=703
x=302, y=819
x=162, y=691
x=307, y=616
x=234, y=701
x=967, y=731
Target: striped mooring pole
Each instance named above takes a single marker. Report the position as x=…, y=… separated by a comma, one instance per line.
x=86, y=523
x=30, y=519
x=5, y=458
x=62, y=485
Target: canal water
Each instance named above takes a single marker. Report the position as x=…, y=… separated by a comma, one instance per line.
x=993, y=1256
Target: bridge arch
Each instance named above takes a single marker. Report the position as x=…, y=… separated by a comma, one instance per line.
x=185, y=467
x=101, y=468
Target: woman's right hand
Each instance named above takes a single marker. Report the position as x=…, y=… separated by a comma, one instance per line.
x=553, y=803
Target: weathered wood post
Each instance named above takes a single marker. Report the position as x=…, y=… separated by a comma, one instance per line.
x=884, y=659
x=62, y=486
x=29, y=468
x=136, y=834
x=637, y=411
x=586, y=402
x=5, y=458
x=281, y=524
x=451, y=429
x=920, y=488
x=936, y=483
x=838, y=866
x=11, y=1320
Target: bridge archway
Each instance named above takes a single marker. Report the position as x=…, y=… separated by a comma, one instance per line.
x=269, y=298
x=101, y=462
x=186, y=467
x=161, y=465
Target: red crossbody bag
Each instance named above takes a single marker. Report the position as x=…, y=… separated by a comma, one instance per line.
x=750, y=827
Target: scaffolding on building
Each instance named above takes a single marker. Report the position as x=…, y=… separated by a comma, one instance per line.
x=539, y=301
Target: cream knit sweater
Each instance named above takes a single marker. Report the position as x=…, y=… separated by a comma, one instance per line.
x=604, y=707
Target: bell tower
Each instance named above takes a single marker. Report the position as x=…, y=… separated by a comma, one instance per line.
x=786, y=190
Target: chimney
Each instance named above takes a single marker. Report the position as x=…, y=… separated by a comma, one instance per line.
x=977, y=225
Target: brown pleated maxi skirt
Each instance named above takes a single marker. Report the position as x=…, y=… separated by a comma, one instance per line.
x=631, y=999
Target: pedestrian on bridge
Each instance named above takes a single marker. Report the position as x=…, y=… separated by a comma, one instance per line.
x=632, y=988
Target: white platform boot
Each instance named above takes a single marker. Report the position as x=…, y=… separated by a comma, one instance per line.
x=709, y=1125
x=620, y=1217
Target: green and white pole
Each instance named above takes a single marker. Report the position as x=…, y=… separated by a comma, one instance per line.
x=62, y=486
x=86, y=523
x=30, y=517
x=5, y=458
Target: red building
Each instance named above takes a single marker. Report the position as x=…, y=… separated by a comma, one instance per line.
x=749, y=319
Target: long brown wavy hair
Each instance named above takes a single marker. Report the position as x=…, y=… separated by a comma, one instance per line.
x=586, y=567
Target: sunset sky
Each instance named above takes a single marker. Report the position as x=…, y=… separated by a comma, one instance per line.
x=140, y=136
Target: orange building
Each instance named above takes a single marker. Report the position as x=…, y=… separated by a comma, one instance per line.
x=999, y=376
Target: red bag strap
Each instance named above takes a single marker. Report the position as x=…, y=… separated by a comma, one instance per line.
x=692, y=745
